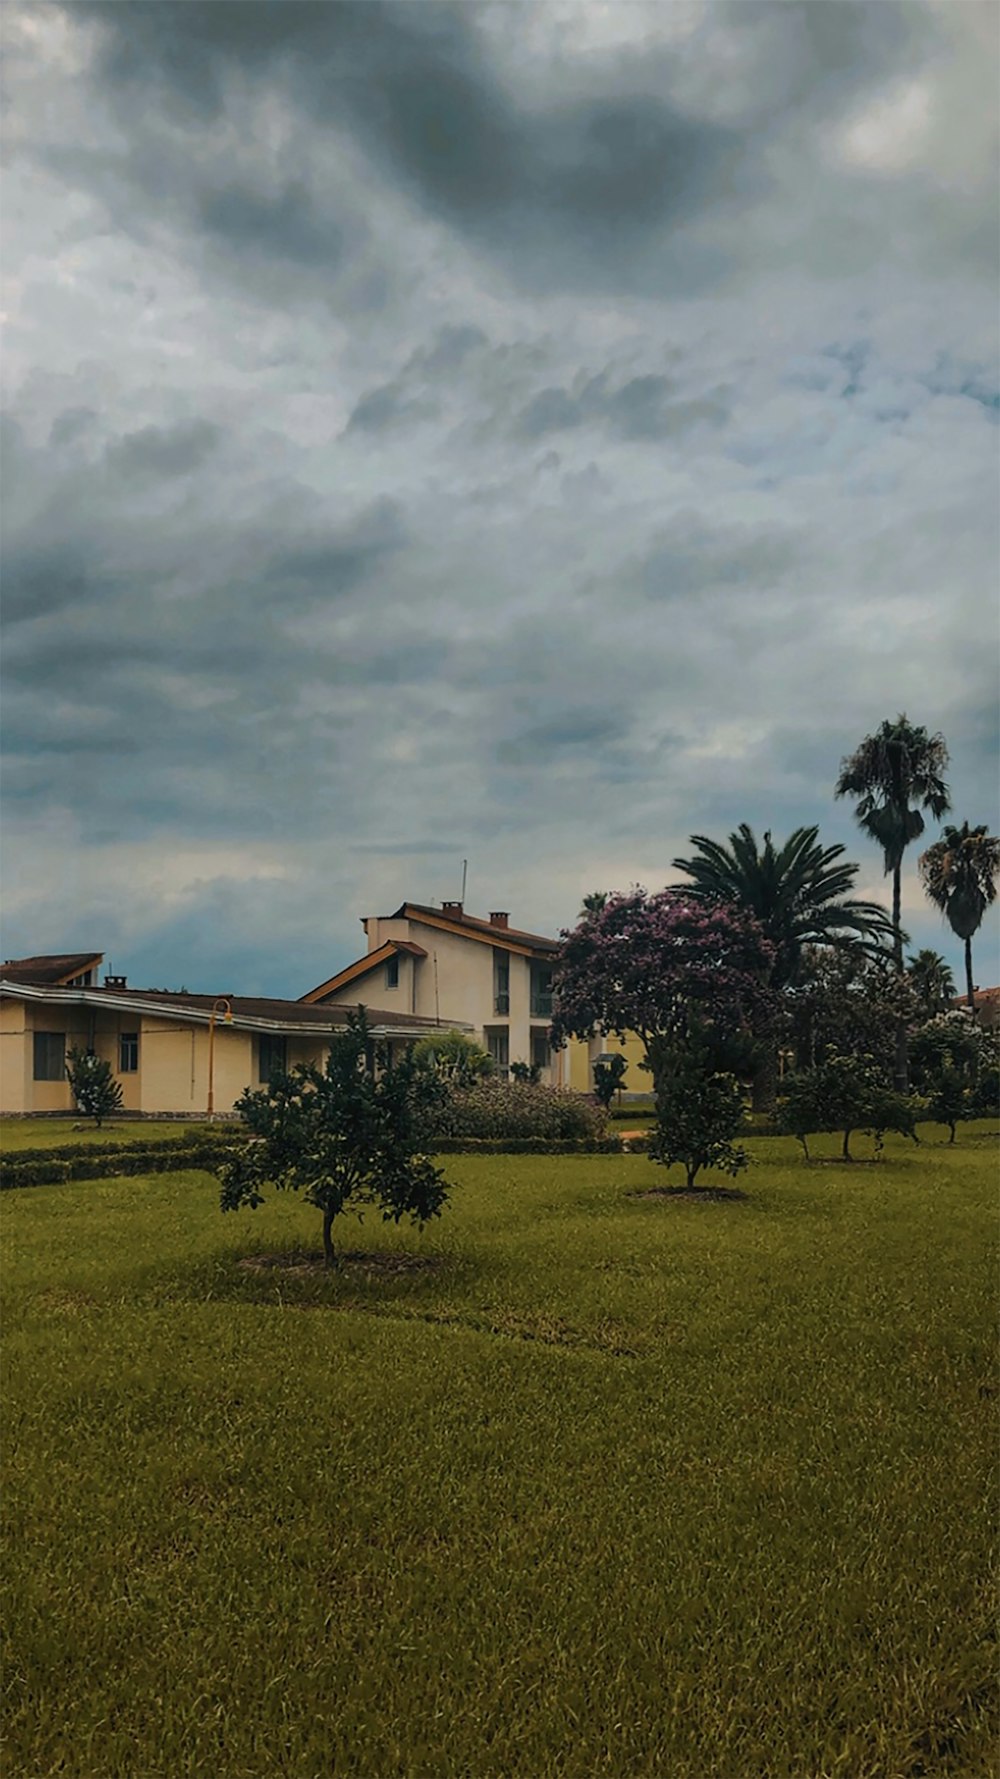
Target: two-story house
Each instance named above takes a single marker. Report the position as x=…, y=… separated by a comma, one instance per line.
x=449, y=966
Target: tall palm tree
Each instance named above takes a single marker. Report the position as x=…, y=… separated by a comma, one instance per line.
x=932, y=981
x=894, y=774
x=799, y=892
x=959, y=873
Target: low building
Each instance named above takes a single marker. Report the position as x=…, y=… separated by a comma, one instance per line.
x=174, y=1054
x=450, y=967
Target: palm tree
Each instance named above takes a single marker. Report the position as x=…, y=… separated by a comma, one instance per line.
x=959, y=873
x=894, y=774
x=932, y=981
x=800, y=892
x=595, y=903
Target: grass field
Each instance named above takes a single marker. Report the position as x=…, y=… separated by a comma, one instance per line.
x=609, y=1485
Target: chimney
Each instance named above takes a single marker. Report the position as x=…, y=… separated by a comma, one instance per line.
x=115, y=982
x=452, y=908
x=499, y=918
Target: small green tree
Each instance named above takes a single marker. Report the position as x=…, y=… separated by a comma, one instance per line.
x=95, y=1091
x=609, y=1073
x=456, y=1057
x=698, y=1112
x=528, y=1074
x=346, y=1135
x=844, y=1093
x=948, y=1100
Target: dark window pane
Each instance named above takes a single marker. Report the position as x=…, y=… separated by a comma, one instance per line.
x=50, y=1056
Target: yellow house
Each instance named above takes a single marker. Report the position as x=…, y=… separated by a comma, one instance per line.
x=173, y=1054
x=449, y=966
x=452, y=968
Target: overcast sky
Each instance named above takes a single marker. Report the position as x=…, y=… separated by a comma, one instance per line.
x=528, y=434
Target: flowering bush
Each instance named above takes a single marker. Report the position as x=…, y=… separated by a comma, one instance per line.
x=495, y=1108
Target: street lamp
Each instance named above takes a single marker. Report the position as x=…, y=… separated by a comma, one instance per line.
x=227, y=1019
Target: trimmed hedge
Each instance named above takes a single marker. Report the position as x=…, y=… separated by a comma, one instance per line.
x=538, y=1145
x=513, y=1111
x=42, y=1167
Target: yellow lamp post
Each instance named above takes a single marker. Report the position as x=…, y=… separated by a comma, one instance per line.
x=227, y=1019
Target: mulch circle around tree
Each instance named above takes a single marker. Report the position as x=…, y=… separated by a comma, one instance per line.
x=699, y=1194
x=307, y=1260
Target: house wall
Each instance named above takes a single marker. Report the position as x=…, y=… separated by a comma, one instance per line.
x=458, y=990
x=172, y=1076
x=583, y=1054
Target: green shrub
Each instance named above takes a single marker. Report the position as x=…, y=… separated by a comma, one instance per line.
x=531, y=1145
x=38, y=1167
x=513, y=1109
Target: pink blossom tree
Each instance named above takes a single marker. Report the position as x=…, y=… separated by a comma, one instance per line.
x=667, y=967
x=692, y=979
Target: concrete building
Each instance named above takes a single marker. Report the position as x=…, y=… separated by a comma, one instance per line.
x=450, y=967
x=173, y=1054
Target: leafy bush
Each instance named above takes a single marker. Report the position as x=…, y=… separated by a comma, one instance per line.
x=534, y=1145
x=845, y=1093
x=96, y=1093
x=698, y=1112
x=609, y=1073
x=347, y=1136
x=513, y=1109
x=455, y=1056
x=78, y=1161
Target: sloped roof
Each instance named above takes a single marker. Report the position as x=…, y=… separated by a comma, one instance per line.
x=247, y=1011
x=53, y=969
x=503, y=937
x=362, y=966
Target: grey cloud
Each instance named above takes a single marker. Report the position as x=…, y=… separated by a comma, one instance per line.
x=164, y=450
x=641, y=408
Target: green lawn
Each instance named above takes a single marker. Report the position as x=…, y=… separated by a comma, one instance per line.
x=615, y=1486
x=52, y=1133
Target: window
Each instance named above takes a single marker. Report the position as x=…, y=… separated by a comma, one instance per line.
x=392, y=972
x=128, y=1053
x=50, y=1056
x=501, y=982
x=272, y=1057
x=540, y=1053
x=498, y=1044
x=541, y=991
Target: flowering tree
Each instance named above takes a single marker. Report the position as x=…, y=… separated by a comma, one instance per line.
x=692, y=979
x=666, y=967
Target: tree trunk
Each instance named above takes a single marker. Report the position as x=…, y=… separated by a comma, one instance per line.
x=765, y=1081
x=970, y=987
x=692, y=1175
x=847, y=1146
x=901, y=1068
x=951, y=1139
x=329, y=1257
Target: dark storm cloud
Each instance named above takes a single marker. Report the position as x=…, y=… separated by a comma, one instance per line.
x=378, y=495
x=590, y=186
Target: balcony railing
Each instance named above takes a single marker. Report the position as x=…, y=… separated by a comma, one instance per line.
x=541, y=1006
x=501, y=1003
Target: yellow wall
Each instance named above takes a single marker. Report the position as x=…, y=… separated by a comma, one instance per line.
x=583, y=1054
x=173, y=1059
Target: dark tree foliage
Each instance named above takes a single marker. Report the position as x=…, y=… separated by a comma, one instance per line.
x=959, y=873
x=95, y=1091
x=698, y=1113
x=799, y=892
x=847, y=1004
x=609, y=1073
x=345, y=1137
x=844, y=1093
